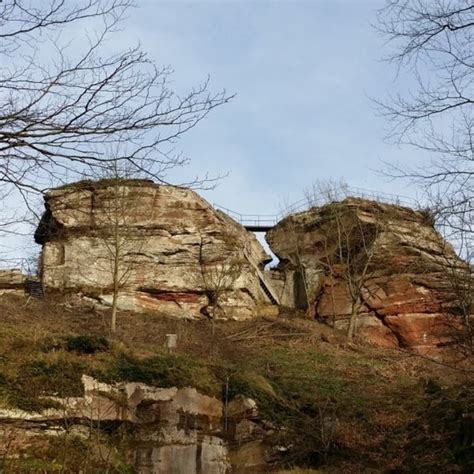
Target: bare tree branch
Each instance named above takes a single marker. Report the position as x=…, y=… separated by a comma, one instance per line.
x=60, y=114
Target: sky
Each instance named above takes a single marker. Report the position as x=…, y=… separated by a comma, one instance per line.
x=305, y=75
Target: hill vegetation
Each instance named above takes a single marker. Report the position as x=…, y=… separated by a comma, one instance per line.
x=338, y=406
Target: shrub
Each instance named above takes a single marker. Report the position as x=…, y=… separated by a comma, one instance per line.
x=41, y=377
x=32, y=404
x=163, y=371
x=86, y=344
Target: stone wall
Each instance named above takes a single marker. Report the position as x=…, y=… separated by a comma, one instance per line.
x=178, y=255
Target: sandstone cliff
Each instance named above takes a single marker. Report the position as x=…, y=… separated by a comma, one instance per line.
x=178, y=254
x=400, y=264
x=380, y=268
x=170, y=430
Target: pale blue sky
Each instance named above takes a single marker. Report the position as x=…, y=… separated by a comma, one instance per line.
x=303, y=72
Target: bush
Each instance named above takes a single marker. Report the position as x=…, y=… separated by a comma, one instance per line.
x=33, y=404
x=162, y=371
x=41, y=377
x=86, y=344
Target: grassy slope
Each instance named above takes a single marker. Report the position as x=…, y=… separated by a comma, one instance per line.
x=345, y=408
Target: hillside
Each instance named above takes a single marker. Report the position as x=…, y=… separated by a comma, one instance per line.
x=322, y=403
x=381, y=272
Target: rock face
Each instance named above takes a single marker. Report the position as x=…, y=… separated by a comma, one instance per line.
x=384, y=263
x=11, y=280
x=380, y=270
x=175, y=253
x=170, y=430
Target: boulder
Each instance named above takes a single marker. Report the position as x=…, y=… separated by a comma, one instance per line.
x=387, y=261
x=176, y=254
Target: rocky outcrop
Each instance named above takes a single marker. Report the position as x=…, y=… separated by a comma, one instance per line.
x=170, y=430
x=385, y=263
x=176, y=254
x=11, y=279
x=382, y=267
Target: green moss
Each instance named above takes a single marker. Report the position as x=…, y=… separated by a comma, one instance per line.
x=68, y=453
x=3, y=380
x=61, y=377
x=31, y=465
x=86, y=344
x=447, y=441
x=92, y=185
x=31, y=404
x=39, y=378
x=162, y=371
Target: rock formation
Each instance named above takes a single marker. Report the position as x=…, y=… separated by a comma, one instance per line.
x=379, y=270
x=170, y=430
x=178, y=255
x=386, y=262
x=11, y=280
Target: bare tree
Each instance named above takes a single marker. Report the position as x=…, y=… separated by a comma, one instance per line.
x=65, y=97
x=323, y=192
x=433, y=43
x=346, y=250
x=120, y=238
x=348, y=254
x=459, y=300
x=220, y=275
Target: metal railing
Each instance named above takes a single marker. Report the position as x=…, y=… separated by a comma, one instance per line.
x=317, y=200
x=247, y=220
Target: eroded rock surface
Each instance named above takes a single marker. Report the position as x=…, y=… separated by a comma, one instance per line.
x=173, y=430
x=178, y=255
x=403, y=266
x=11, y=280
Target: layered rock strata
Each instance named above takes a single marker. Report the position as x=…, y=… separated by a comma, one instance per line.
x=385, y=263
x=170, y=430
x=11, y=279
x=174, y=253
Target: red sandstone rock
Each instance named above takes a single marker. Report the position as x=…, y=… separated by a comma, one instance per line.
x=374, y=331
x=401, y=294
x=406, y=295
x=421, y=329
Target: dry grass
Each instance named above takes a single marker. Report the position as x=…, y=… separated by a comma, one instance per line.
x=299, y=372
x=146, y=333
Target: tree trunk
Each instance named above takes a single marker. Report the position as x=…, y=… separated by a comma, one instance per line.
x=113, y=322
x=116, y=282
x=352, y=321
